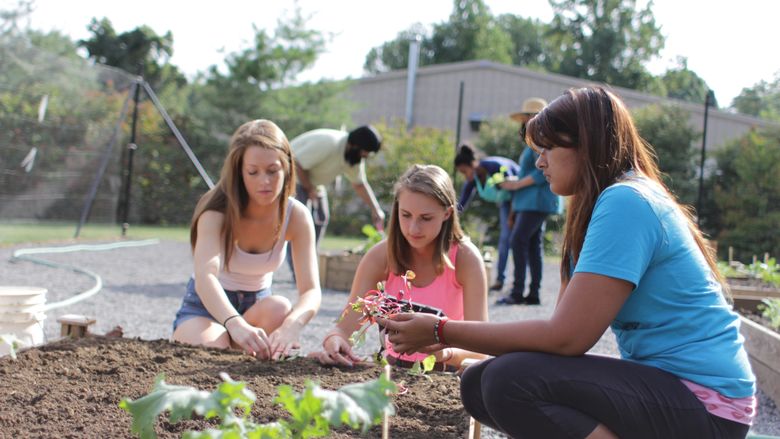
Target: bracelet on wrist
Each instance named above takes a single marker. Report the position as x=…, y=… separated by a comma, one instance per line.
x=228, y=319
x=438, y=330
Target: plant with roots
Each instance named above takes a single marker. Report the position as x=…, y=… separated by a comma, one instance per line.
x=378, y=303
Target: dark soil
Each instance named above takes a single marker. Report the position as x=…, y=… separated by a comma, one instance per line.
x=72, y=388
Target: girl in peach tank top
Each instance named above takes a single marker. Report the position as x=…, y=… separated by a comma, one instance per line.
x=424, y=236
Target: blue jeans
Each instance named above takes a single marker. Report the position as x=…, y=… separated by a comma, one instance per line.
x=504, y=244
x=526, y=240
x=191, y=305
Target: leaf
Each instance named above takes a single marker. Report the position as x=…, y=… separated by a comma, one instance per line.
x=358, y=405
x=428, y=363
x=13, y=344
x=182, y=401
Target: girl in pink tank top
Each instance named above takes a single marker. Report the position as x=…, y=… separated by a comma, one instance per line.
x=424, y=236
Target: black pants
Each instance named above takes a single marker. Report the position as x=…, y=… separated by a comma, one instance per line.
x=534, y=395
x=526, y=239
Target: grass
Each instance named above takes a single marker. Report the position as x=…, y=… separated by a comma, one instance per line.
x=14, y=233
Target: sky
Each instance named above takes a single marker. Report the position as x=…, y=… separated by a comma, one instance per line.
x=731, y=45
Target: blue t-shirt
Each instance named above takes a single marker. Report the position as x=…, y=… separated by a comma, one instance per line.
x=676, y=318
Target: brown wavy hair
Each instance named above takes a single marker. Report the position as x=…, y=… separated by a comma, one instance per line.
x=596, y=123
x=434, y=182
x=229, y=195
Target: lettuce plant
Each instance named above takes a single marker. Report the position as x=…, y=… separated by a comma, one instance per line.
x=311, y=413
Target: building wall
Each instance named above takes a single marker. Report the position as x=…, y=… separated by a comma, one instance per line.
x=493, y=90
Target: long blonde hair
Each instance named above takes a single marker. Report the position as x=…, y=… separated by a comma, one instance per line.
x=229, y=196
x=595, y=122
x=434, y=182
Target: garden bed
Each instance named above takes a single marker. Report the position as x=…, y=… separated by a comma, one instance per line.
x=72, y=388
x=762, y=341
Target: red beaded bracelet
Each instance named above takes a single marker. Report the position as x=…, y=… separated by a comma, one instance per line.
x=438, y=330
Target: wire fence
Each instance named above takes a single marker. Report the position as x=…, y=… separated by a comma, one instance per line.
x=60, y=118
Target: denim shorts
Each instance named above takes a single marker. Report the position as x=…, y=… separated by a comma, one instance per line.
x=191, y=306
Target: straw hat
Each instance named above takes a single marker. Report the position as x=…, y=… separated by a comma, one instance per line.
x=530, y=107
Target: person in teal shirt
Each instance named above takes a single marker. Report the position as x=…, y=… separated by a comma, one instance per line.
x=633, y=261
x=532, y=203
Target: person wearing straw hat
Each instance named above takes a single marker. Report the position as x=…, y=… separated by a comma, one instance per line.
x=532, y=202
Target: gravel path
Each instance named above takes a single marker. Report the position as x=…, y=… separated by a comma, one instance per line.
x=143, y=286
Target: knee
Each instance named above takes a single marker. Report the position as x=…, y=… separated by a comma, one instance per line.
x=471, y=389
x=509, y=380
x=269, y=313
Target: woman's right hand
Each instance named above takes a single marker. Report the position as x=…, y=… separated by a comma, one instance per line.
x=337, y=351
x=254, y=341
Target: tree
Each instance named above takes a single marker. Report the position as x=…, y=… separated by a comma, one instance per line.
x=666, y=128
x=761, y=100
x=682, y=83
x=394, y=55
x=471, y=33
x=138, y=51
x=527, y=36
x=747, y=194
x=604, y=40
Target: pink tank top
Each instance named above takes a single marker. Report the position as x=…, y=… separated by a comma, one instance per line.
x=255, y=271
x=444, y=293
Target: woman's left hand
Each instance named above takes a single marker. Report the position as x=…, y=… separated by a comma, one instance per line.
x=283, y=340
x=411, y=332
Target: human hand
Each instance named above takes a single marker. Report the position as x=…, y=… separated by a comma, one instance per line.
x=254, y=341
x=337, y=351
x=283, y=340
x=411, y=332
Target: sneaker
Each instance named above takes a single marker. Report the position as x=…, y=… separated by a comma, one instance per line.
x=497, y=286
x=509, y=300
x=531, y=301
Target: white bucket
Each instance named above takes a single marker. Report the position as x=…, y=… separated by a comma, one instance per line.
x=21, y=315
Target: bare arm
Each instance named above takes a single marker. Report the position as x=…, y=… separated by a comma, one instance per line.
x=336, y=346
x=367, y=195
x=301, y=235
x=585, y=310
x=470, y=272
x=513, y=185
x=302, y=176
x=207, y=259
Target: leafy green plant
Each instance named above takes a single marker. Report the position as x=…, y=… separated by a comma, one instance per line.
x=312, y=412
x=768, y=271
x=770, y=309
x=13, y=343
x=729, y=271
x=373, y=236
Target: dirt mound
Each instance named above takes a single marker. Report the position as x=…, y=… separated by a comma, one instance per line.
x=72, y=388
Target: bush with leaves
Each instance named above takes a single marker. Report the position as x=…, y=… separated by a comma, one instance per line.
x=747, y=195
x=312, y=412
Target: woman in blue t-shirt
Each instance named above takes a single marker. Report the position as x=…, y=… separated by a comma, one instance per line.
x=480, y=175
x=635, y=262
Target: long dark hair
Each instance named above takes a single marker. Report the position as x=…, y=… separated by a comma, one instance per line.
x=596, y=123
x=229, y=196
